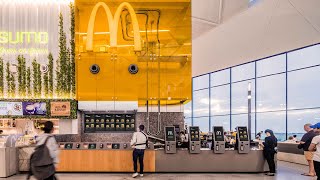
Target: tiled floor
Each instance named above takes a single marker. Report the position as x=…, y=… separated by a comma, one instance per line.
x=286, y=171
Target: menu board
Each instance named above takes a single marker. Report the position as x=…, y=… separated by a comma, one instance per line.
x=170, y=134
x=218, y=133
x=11, y=108
x=194, y=133
x=89, y=124
x=34, y=108
x=95, y=123
x=243, y=134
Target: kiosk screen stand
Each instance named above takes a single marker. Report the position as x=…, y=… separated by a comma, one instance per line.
x=218, y=140
x=194, y=145
x=170, y=138
x=243, y=140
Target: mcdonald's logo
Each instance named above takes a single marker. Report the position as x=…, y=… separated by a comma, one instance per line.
x=113, y=25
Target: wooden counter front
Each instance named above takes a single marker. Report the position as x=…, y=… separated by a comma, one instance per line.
x=102, y=161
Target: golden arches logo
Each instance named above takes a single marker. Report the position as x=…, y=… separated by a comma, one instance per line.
x=113, y=25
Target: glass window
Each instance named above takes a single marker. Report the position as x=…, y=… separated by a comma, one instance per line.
x=242, y=120
x=202, y=122
x=243, y=72
x=275, y=121
x=239, y=97
x=187, y=109
x=221, y=121
x=201, y=103
x=271, y=65
x=187, y=121
x=303, y=88
x=298, y=118
x=271, y=93
x=201, y=82
x=220, y=100
x=220, y=77
x=305, y=57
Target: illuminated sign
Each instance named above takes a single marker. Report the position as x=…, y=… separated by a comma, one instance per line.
x=113, y=25
x=23, y=37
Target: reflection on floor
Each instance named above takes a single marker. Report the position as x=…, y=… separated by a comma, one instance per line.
x=286, y=171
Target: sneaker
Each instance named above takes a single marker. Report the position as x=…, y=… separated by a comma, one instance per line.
x=270, y=174
x=141, y=175
x=134, y=175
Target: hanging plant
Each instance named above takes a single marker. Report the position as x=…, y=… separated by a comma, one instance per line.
x=19, y=59
x=62, y=60
x=12, y=85
x=39, y=81
x=35, y=77
x=8, y=75
x=72, y=55
x=46, y=85
x=24, y=79
x=50, y=75
x=1, y=78
x=28, y=81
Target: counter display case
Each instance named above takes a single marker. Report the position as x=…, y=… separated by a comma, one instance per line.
x=101, y=123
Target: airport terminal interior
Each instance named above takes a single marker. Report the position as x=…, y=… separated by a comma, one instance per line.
x=159, y=89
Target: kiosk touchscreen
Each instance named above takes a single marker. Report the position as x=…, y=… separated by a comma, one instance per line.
x=243, y=140
x=218, y=140
x=170, y=140
x=194, y=145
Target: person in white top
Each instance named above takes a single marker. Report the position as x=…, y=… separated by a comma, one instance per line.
x=51, y=144
x=139, y=142
x=315, y=146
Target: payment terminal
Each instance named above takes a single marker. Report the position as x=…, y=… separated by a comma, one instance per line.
x=194, y=145
x=243, y=140
x=218, y=140
x=170, y=140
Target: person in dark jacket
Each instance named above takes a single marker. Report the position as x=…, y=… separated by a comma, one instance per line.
x=269, y=150
x=304, y=144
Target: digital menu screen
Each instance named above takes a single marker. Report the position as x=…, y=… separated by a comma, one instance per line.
x=92, y=146
x=243, y=134
x=194, y=134
x=97, y=123
x=218, y=133
x=170, y=134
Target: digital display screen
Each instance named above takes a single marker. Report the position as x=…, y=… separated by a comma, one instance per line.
x=170, y=134
x=194, y=134
x=115, y=146
x=92, y=146
x=243, y=134
x=68, y=146
x=218, y=133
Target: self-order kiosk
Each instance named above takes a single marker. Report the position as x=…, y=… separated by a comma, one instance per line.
x=243, y=140
x=218, y=140
x=194, y=145
x=170, y=140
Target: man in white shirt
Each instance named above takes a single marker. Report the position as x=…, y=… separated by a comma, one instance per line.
x=315, y=146
x=139, y=142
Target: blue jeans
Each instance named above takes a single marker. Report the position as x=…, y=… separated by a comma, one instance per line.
x=138, y=153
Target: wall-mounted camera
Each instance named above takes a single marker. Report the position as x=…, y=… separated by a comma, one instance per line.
x=94, y=69
x=133, y=69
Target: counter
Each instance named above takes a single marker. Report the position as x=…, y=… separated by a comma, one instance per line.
x=8, y=161
x=120, y=160
x=289, y=152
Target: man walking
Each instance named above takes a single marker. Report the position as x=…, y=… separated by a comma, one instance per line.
x=139, y=142
x=304, y=144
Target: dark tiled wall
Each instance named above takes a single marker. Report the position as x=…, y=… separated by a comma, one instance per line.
x=167, y=119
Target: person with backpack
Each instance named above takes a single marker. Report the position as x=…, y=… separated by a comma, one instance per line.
x=45, y=157
x=269, y=150
x=139, y=142
x=304, y=144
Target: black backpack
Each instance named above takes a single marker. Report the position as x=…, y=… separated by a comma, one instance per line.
x=41, y=163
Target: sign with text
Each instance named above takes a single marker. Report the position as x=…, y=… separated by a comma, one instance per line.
x=60, y=108
x=11, y=108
